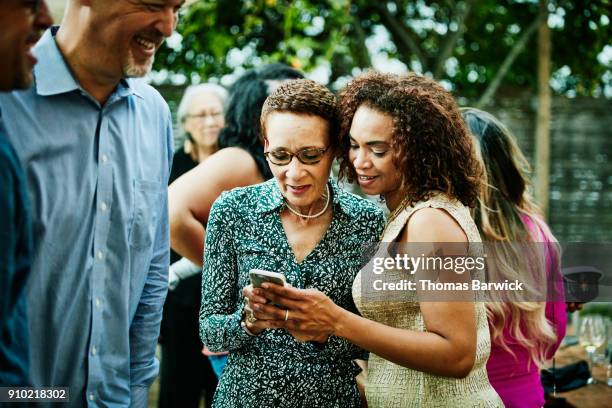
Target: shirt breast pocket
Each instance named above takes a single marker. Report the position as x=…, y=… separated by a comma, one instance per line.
x=146, y=210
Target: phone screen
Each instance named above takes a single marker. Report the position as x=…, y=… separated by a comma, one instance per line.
x=257, y=280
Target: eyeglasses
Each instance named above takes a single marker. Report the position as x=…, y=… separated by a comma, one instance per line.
x=205, y=115
x=308, y=155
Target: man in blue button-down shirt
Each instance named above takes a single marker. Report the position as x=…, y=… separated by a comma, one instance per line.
x=21, y=22
x=96, y=148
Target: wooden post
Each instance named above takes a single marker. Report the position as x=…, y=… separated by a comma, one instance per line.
x=542, y=134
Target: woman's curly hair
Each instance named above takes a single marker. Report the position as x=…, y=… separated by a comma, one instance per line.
x=431, y=144
x=307, y=97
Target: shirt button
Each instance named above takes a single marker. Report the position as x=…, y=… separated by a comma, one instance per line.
x=104, y=158
x=93, y=351
x=103, y=206
x=98, y=303
x=92, y=397
x=100, y=255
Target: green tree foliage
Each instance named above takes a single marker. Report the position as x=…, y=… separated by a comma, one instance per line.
x=462, y=42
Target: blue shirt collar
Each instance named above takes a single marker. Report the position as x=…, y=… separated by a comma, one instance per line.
x=272, y=199
x=52, y=74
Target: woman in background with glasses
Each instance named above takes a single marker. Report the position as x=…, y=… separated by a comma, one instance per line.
x=300, y=224
x=200, y=117
x=185, y=374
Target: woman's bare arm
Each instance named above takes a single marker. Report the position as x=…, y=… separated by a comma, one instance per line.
x=191, y=196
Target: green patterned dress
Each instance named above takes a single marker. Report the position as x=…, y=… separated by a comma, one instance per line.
x=273, y=370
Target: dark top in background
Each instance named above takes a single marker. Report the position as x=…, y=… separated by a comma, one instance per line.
x=188, y=291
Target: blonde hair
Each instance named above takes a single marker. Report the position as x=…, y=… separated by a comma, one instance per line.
x=503, y=208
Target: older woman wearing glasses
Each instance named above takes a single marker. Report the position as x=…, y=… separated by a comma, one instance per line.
x=300, y=224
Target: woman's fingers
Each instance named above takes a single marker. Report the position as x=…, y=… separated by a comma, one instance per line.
x=271, y=311
x=247, y=309
x=268, y=312
x=286, y=291
x=254, y=295
x=290, y=297
x=246, y=291
x=260, y=325
x=283, y=302
x=294, y=325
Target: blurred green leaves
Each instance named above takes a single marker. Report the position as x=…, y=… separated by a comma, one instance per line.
x=462, y=42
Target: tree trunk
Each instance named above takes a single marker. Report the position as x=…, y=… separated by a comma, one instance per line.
x=448, y=45
x=405, y=41
x=516, y=50
x=542, y=136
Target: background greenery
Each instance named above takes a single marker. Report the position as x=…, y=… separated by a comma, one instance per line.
x=463, y=43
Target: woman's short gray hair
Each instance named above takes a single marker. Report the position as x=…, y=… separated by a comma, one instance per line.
x=191, y=92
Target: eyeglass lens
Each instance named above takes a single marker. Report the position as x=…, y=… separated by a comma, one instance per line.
x=306, y=156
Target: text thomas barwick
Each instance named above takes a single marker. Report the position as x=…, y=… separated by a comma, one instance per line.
x=425, y=284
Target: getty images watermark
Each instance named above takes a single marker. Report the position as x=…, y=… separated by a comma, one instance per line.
x=474, y=266
x=491, y=272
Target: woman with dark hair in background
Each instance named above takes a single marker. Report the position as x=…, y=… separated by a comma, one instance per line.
x=527, y=332
x=242, y=118
x=185, y=373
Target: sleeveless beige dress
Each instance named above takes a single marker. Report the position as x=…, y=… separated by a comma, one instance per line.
x=389, y=385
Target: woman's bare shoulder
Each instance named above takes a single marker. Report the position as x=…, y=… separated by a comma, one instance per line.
x=434, y=225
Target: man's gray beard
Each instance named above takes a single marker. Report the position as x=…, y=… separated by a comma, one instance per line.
x=133, y=70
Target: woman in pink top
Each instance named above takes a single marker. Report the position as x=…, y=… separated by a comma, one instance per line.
x=524, y=333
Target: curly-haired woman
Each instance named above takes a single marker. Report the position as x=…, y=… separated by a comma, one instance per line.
x=403, y=137
x=301, y=224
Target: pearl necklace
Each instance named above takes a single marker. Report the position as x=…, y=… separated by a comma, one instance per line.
x=299, y=214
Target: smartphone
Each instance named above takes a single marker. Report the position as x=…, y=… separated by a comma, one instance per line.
x=259, y=276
